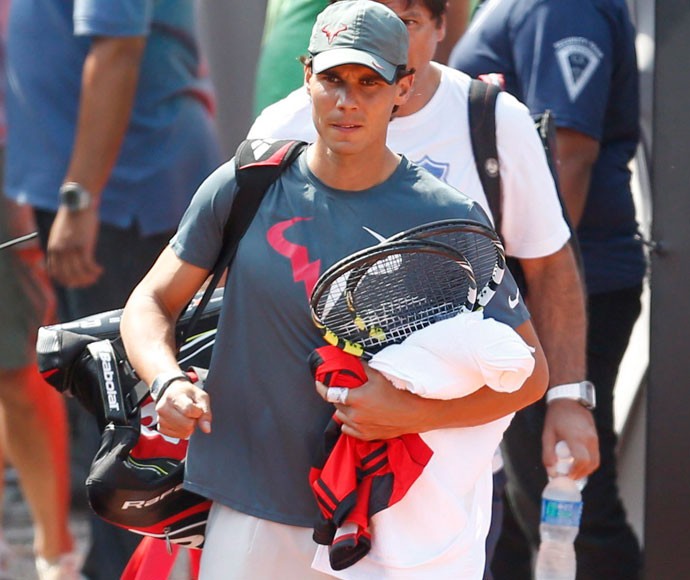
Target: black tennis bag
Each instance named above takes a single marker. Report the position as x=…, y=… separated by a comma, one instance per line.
x=136, y=478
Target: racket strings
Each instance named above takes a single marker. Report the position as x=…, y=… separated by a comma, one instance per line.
x=381, y=295
x=389, y=297
x=485, y=254
x=398, y=327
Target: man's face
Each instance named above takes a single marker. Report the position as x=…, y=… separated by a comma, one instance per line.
x=352, y=106
x=424, y=30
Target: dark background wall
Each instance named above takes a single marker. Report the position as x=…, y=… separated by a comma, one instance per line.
x=667, y=502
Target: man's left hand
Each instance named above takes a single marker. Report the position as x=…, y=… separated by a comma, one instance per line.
x=377, y=410
x=71, y=254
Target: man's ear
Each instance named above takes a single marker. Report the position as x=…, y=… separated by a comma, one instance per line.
x=404, y=86
x=441, y=29
x=307, y=78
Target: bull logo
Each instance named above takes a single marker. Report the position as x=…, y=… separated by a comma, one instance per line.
x=331, y=33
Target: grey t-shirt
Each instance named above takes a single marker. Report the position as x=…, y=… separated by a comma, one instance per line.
x=267, y=417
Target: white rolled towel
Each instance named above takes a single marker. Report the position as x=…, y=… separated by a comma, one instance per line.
x=455, y=357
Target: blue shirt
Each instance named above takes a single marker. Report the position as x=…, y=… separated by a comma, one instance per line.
x=170, y=145
x=577, y=58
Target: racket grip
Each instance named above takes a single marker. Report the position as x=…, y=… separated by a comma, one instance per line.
x=335, y=368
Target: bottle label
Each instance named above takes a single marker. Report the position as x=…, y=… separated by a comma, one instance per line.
x=561, y=513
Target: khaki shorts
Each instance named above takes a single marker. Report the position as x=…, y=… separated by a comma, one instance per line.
x=242, y=547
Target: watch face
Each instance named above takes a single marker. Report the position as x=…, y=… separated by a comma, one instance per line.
x=70, y=198
x=582, y=392
x=74, y=197
x=589, y=394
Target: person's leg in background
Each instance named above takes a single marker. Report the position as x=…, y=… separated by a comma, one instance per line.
x=526, y=479
x=126, y=256
x=496, y=525
x=6, y=553
x=606, y=546
x=515, y=559
x=34, y=426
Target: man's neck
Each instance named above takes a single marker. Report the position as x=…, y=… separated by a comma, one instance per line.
x=351, y=172
x=426, y=83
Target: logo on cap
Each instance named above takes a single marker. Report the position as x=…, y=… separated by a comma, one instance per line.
x=331, y=33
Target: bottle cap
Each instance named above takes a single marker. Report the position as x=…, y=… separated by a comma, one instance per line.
x=565, y=459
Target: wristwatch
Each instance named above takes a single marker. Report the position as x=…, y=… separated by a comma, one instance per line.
x=164, y=380
x=582, y=392
x=74, y=196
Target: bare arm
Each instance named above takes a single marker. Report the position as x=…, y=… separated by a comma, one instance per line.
x=148, y=333
x=109, y=81
x=577, y=154
x=568, y=420
x=378, y=410
x=557, y=303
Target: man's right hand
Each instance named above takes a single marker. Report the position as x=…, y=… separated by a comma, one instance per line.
x=569, y=421
x=182, y=408
x=71, y=255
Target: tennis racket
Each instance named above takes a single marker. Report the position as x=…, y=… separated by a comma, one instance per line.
x=381, y=295
x=480, y=245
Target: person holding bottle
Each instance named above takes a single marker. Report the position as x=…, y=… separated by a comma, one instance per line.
x=583, y=69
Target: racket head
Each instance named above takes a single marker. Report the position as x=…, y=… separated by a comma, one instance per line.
x=480, y=245
x=380, y=295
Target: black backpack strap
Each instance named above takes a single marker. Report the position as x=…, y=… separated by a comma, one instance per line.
x=258, y=163
x=481, y=106
x=482, y=118
x=546, y=128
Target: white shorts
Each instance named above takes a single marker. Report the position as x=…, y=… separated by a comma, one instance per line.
x=242, y=547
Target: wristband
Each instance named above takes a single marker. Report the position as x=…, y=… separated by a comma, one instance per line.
x=164, y=380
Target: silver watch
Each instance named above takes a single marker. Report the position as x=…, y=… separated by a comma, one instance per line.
x=74, y=196
x=164, y=380
x=582, y=392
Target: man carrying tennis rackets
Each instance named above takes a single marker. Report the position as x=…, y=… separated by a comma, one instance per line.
x=256, y=427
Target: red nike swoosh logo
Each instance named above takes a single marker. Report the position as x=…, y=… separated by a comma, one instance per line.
x=303, y=270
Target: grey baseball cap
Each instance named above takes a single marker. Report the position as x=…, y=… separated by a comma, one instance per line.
x=359, y=32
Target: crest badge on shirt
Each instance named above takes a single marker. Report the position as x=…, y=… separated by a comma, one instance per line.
x=578, y=59
x=436, y=168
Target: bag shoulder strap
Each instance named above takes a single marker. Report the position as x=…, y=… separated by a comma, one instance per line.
x=258, y=163
x=481, y=106
x=482, y=118
x=546, y=128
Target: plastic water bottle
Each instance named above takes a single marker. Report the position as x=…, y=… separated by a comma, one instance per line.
x=561, y=509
